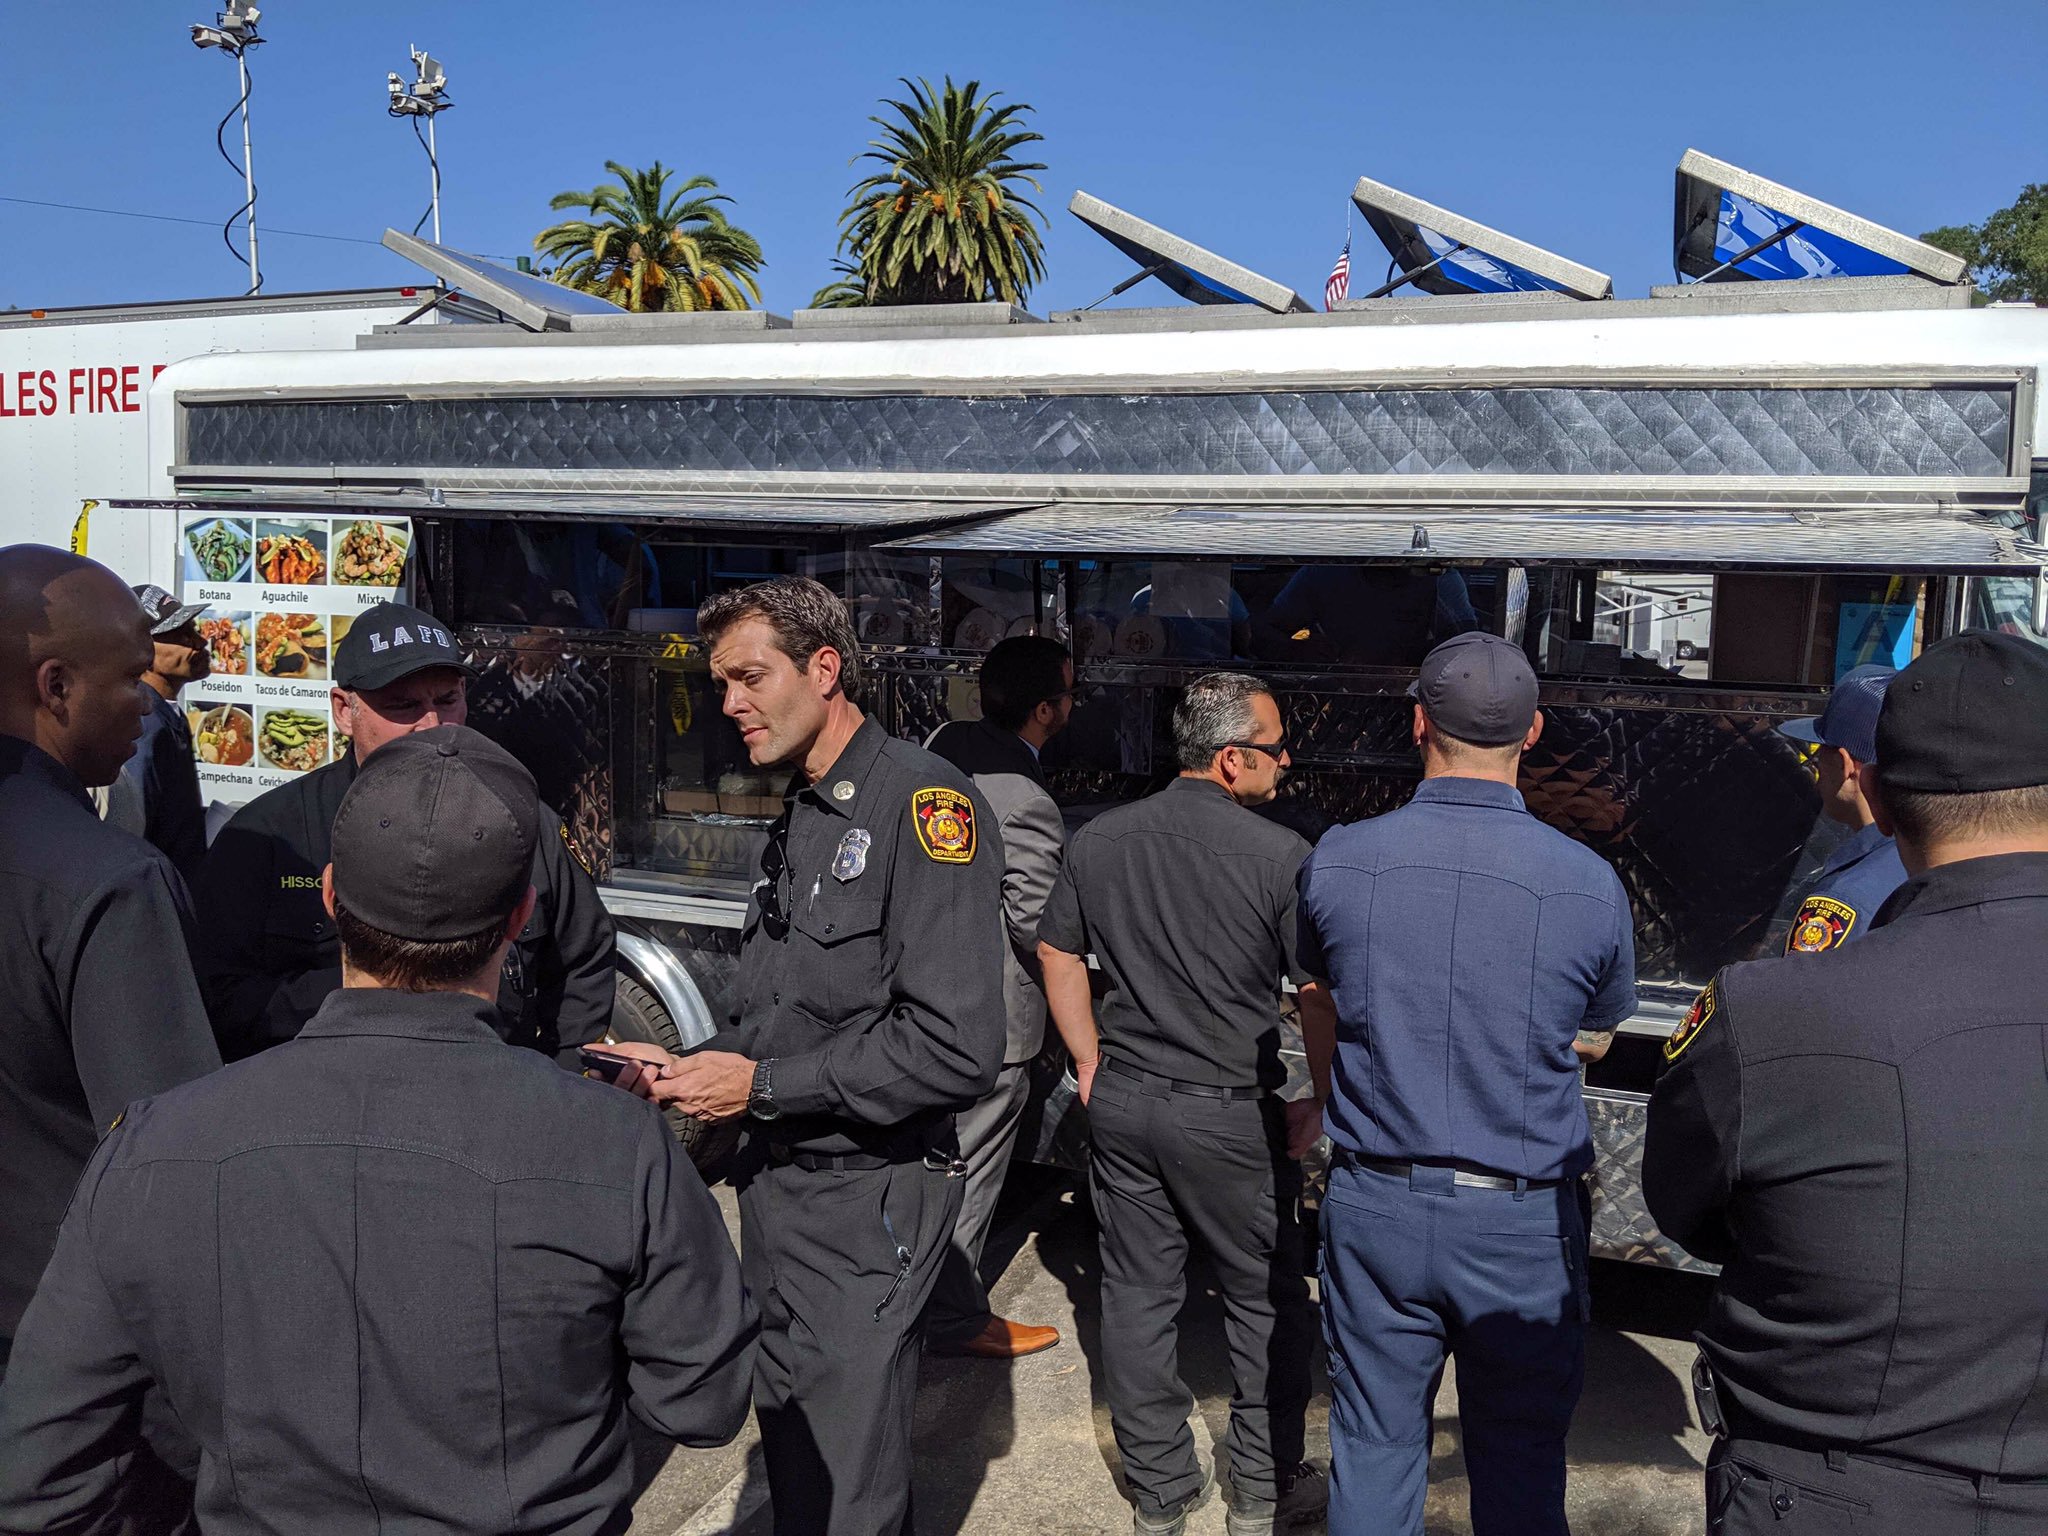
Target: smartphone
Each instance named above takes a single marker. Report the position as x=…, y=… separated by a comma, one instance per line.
x=607, y=1065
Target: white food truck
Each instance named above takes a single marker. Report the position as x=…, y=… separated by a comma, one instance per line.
x=1817, y=471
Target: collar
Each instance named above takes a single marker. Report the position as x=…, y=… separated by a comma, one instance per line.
x=452, y=1017
x=1183, y=784
x=1858, y=845
x=1968, y=883
x=32, y=762
x=854, y=765
x=1450, y=789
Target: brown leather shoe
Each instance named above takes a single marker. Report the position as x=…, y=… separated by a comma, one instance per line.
x=1000, y=1339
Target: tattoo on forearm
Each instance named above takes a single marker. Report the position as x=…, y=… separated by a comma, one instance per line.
x=1596, y=1039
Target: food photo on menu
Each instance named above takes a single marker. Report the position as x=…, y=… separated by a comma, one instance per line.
x=292, y=643
x=218, y=550
x=294, y=740
x=223, y=735
x=291, y=552
x=371, y=554
x=227, y=643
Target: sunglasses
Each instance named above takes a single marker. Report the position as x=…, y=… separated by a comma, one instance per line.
x=1272, y=749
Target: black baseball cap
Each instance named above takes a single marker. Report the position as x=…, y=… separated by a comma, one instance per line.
x=165, y=613
x=390, y=641
x=434, y=839
x=1850, y=719
x=1478, y=687
x=1970, y=715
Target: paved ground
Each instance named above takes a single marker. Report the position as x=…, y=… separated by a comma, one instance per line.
x=1027, y=1448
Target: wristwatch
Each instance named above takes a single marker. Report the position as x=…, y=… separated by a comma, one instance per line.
x=761, y=1098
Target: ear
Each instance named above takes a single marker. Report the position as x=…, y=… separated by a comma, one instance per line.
x=1873, y=796
x=53, y=686
x=521, y=914
x=1418, y=729
x=343, y=708
x=825, y=666
x=1535, y=732
x=327, y=889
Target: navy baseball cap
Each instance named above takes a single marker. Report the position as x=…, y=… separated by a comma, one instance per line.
x=1850, y=719
x=1478, y=687
x=434, y=839
x=1968, y=716
x=165, y=613
x=388, y=641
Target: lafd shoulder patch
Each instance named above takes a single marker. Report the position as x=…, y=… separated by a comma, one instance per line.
x=945, y=824
x=584, y=863
x=1694, y=1021
x=1822, y=923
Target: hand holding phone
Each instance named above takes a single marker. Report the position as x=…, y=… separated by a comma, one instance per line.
x=618, y=1069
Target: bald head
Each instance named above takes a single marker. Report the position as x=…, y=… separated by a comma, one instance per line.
x=73, y=647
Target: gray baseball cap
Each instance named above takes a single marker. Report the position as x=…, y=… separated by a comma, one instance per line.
x=434, y=839
x=1850, y=719
x=1478, y=687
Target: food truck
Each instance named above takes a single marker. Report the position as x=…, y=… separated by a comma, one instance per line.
x=1827, y=466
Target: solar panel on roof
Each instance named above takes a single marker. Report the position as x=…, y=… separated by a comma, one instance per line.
x=1197, y=275
x=1442, y=252
x=532, y=301
x=1730, y=225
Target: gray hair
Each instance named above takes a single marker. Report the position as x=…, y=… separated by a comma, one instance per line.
x=1214, y=711
x=807, y=617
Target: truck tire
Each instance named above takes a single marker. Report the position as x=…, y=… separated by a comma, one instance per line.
x=637, y=1014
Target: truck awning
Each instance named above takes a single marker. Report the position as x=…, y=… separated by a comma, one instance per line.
x=1964, y=541
x=732, y=513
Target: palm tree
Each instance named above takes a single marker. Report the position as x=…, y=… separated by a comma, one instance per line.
x=945, y=221
x=650, y=248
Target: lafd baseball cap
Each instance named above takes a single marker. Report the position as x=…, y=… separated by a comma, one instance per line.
x=434, y=839
x=1850, y=719
x=1478, y=687
x=390, y=641
x=1970, y=715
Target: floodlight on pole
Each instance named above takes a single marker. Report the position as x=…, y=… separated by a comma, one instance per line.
x=234, y=32
x=426, y=97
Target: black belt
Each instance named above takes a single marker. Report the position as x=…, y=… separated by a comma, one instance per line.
x=1466, y=1175
x=835, y=1162
x=1159, y=1087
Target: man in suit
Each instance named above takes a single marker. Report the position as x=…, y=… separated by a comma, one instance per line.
x=1027, y=693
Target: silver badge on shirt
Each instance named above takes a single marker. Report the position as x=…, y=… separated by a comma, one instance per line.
x=852, y=857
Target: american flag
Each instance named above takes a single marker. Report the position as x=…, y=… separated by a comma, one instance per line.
x=1339, y=285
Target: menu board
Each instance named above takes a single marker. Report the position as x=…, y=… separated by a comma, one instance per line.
x=280, y=593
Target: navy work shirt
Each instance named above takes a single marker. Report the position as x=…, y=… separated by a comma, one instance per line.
x=1467, y=944
x=1856, y=880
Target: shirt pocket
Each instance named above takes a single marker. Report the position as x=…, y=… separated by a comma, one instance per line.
x=298, y=935
x=835, y=977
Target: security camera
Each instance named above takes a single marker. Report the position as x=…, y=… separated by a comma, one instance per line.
x=209, y=37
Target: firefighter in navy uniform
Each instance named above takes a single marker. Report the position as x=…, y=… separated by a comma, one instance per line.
x=267, y=952
x=870, y=1010
x=1864, y=867
x=1859, y=1139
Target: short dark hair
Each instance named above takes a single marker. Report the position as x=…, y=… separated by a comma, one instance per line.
x=1020, y=674
x=1214, y=711
x=1924, y=816
x=806, y=615
x=414, y=965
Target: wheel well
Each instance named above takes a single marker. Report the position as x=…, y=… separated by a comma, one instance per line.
x=656, y=967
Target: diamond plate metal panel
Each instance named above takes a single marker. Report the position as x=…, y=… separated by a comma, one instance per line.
x=548, y=704
x=1944, y=430
x=1622, y=1228
x=712, y=957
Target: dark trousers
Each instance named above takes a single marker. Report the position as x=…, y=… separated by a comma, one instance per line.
x=841, y=1263
x=1170, y=1169
x=1757, y=1487
x=1417, y=1267
x=988, y=1135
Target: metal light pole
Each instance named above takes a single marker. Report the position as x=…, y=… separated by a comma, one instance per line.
x=426, y=97
x=234, y=31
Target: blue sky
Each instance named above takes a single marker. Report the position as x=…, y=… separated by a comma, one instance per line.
x=1241, y=126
